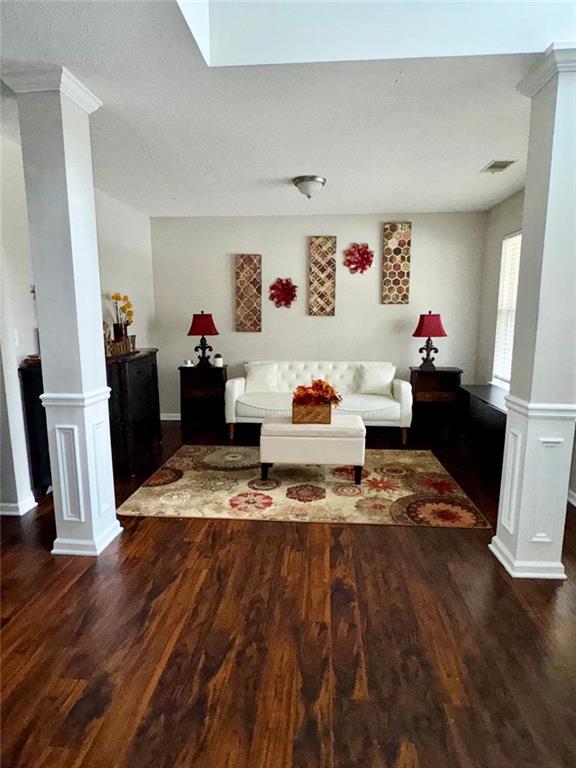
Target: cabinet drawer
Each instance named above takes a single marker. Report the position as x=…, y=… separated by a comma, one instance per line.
x=193, y=393
x=434, y=397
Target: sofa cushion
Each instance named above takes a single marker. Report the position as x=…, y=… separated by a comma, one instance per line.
x=371, y=407
x=376, y=379
x=261, y=377
x=261, y=405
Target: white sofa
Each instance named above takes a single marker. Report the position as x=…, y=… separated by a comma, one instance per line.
x=267, y=390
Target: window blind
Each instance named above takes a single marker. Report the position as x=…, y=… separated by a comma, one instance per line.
x=506, y=315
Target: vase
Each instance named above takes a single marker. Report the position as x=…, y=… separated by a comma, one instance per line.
x=311, y=414
x=119, y=331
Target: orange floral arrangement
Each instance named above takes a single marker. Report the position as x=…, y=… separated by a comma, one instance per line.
x=319, y=392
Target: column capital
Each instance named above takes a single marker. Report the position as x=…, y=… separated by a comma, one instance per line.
x=52, y=79
x=558, y=57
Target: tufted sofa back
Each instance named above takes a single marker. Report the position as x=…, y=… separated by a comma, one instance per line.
x=343, y=375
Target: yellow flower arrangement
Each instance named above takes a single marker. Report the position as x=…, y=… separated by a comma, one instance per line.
x=123, y=308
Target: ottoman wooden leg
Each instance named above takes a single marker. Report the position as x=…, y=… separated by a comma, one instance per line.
x=264, y=471
x=358, y=475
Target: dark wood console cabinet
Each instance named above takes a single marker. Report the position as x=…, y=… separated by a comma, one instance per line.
x=482, y=423
x=134, y=409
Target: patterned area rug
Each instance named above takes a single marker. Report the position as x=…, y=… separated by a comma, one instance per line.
x=398, y=488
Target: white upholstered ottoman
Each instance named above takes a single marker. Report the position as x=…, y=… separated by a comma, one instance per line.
x=341, y=442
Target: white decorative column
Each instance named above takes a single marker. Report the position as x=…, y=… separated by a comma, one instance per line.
x=54, y=109
x=542, y=400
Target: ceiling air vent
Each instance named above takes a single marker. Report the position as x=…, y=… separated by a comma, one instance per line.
x=497, y=166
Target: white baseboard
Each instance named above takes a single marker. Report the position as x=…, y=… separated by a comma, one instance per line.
x=572, y=497
x=87, y=547
x=169, y=417
x=525, y=569
x=18, y=508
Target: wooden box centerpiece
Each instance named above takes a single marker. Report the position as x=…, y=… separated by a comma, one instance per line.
x=313, y=404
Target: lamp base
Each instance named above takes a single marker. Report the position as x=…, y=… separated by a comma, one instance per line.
x=428, y=361
x=203, y=358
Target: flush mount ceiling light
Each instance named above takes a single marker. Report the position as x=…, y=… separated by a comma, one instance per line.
x=309, y=185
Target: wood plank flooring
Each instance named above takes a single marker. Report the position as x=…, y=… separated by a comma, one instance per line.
x=236, y=644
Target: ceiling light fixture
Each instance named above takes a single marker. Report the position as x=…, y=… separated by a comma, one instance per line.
x=309, y=185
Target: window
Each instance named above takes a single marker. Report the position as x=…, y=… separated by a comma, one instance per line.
x=507, y=292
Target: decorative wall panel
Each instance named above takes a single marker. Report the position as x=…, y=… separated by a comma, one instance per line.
x=322, y=276
x=66, y=436
x=396, y=262
x=248, y=292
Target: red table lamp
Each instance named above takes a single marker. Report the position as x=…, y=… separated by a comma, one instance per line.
x=429, y=325
x=203, y=325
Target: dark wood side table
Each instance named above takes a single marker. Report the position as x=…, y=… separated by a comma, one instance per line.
x=201, y=398
x=439, y=385
x=435, y=394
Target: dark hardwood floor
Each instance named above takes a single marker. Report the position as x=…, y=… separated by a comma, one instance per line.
x=235, y=644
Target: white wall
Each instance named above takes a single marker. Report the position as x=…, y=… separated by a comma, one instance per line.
x=193, y=271
x=124, y=251
x=504, y=219
x=17, y=330
x=15, y=248
x=125, y=254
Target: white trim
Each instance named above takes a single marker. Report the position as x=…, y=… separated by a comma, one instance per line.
x=53, y=79
x=572, y=497
x=169, y=417
x=75, y=399
x=541, y=410
x=87, y=547
x=525, y=569
x=18, y=508
x=558, y=57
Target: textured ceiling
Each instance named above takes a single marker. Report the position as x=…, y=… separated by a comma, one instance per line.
x=176, y=138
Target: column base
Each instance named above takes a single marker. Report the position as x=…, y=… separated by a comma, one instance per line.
x=525, y=569
x=87, y=547
x=18, y=508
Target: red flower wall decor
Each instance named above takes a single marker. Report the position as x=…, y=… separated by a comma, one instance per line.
x=358, y=258
x=283, y=292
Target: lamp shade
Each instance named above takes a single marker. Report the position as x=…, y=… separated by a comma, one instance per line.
x=202, y=325
x=429, y=325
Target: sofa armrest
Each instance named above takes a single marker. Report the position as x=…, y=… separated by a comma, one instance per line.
x=234, y=388
x=402, y=392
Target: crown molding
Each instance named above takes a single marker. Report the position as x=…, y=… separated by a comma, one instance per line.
x=558, y=57
x=52, y=79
